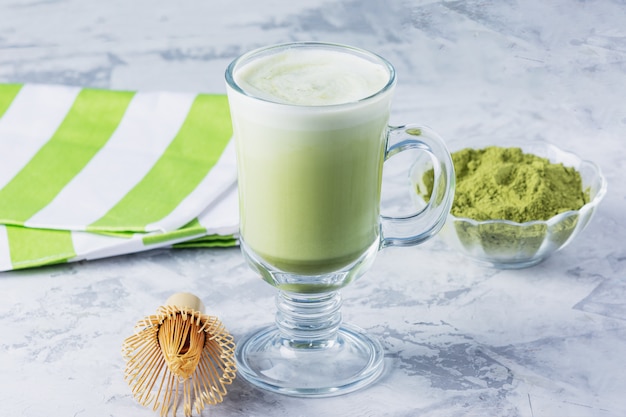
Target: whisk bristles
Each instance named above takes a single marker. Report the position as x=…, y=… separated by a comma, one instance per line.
x=179, y=354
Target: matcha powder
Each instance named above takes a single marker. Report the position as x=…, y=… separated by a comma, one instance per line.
x=505, y=183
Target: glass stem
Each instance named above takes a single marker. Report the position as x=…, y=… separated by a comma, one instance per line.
x=308, y=320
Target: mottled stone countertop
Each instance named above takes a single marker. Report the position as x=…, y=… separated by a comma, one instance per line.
x=460, y=339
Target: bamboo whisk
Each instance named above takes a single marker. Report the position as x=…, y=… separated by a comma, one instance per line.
x=179, y=355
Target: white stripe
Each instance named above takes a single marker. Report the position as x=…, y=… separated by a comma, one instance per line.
x=5, y=254
x=32, y=118
x=215, y=183
x=92, y=246
x=222, y=217
x=150, y=123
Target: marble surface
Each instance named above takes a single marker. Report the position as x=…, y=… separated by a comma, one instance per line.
x=459, y=339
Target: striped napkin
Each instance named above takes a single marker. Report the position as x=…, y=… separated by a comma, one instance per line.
x=88, y=173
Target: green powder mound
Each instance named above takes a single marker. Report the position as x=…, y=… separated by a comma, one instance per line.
x=508, y=184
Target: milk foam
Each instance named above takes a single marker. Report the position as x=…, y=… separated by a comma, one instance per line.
x=312, y=77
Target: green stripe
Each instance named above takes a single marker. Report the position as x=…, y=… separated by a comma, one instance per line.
x=186, y=161
x=36, y=247
x=7, y=94
x=192, y=228
x=89, y=124
x=211, y=241
x=121, y=235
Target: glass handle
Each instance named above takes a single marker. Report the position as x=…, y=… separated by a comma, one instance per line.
x=416, y=228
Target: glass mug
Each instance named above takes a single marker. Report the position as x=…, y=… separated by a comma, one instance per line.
x=310, y=123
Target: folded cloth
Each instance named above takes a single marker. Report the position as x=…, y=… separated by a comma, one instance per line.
x=88, y=173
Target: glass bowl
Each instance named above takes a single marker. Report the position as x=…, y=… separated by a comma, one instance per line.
x=509, y=245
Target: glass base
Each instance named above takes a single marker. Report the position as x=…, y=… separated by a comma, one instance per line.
x=513, y=264
x=348, y=362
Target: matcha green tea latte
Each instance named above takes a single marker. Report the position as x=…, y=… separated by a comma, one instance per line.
x=310, y=186
x=311, y=131
x=311, y=134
